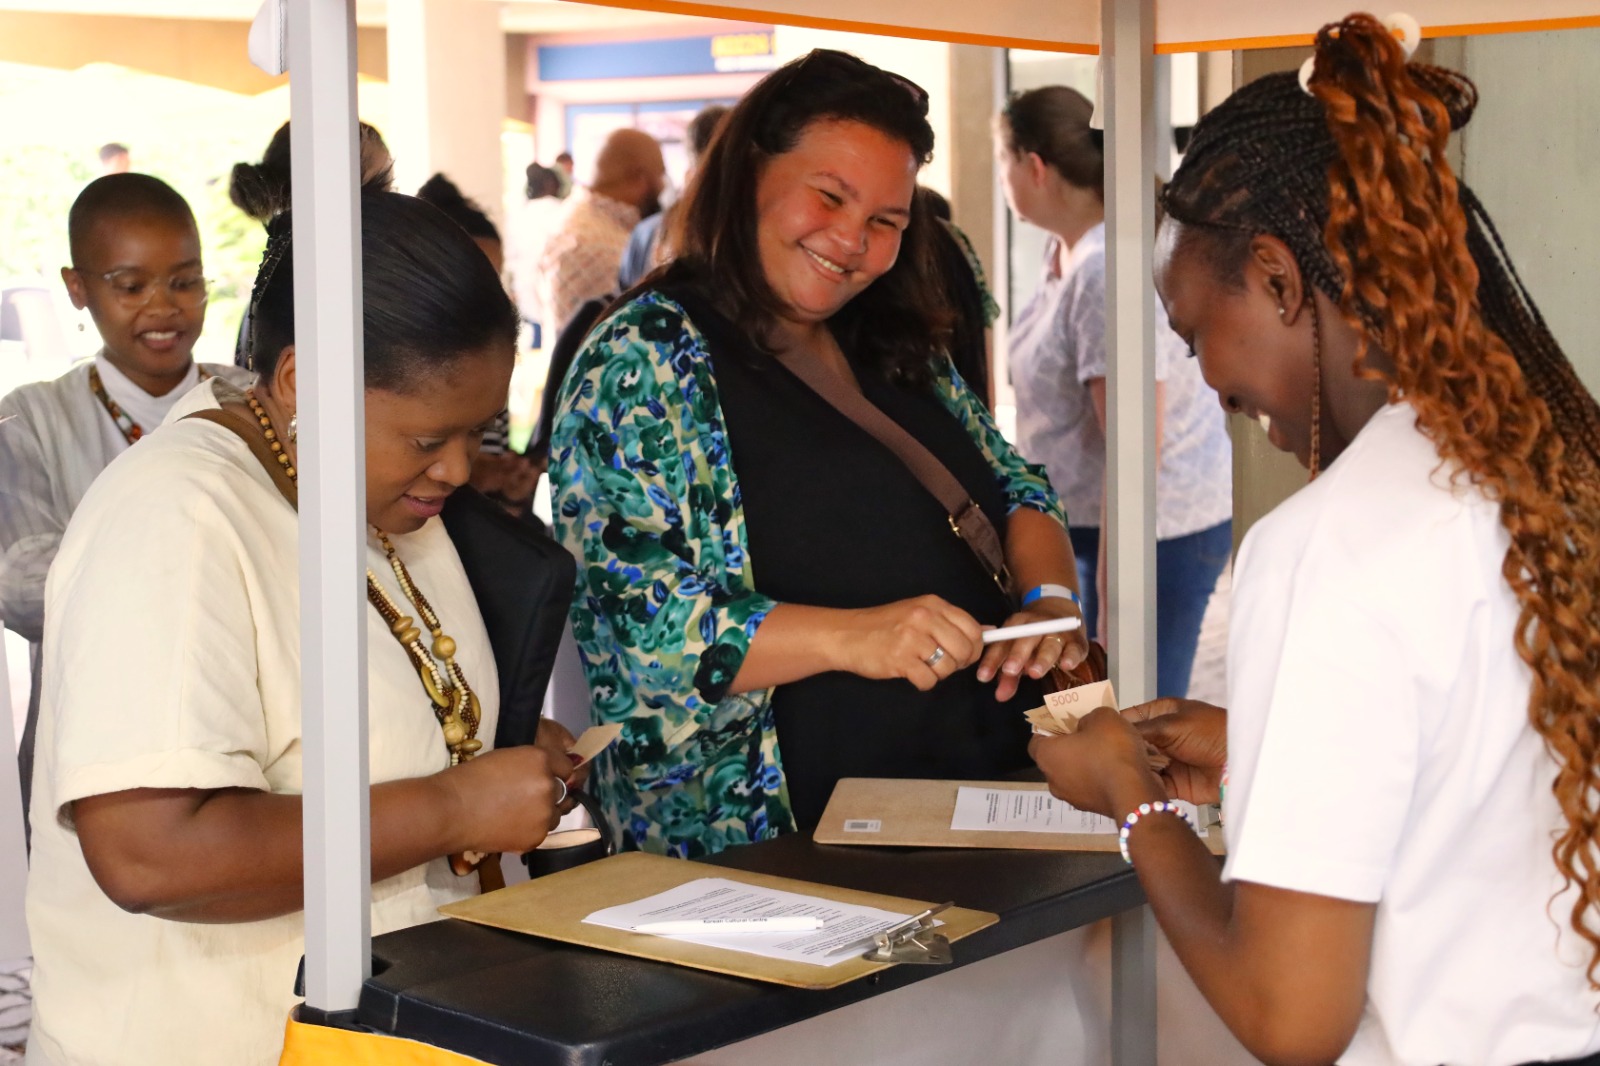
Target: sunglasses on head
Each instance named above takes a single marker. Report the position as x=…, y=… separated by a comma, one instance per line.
x=821, y=58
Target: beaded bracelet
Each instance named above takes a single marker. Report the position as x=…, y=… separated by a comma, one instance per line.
x=1158, y=807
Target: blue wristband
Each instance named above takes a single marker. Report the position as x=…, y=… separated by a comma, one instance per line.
x=1048, y=591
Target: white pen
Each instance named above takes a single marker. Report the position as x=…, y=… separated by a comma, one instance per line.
x=778, y=923
x=1032, y=629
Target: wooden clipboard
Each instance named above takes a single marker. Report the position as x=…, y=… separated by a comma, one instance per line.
x=554, y=907
x=886, y=812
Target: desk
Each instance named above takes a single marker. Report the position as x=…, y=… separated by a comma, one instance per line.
x=510, y=999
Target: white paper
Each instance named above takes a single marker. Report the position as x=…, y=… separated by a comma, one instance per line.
x=717, y=897
x=1029, y=811
x=1022, y=811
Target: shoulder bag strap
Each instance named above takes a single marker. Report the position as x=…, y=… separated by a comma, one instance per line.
x=967, y=519
x=247, y=431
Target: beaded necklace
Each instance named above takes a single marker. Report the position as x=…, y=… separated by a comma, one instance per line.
x=454, y=703
x=131, y=430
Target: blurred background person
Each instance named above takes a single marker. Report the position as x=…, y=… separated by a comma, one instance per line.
x=528, y=229
x=503, y=475
x=1052, y=168
x=972, y=304
x=645, y=249
x=444, y=194
x=115, y=159
x=583, y=252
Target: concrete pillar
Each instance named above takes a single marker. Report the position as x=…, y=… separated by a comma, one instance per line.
x=976, y=92
x=447, y=78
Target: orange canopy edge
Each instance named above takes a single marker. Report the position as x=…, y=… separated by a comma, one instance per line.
x=1181, y=25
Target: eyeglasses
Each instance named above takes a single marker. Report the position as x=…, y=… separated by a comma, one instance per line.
x=134, y=288
x=820, y=56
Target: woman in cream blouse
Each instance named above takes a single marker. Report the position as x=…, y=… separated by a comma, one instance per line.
x=165, y=896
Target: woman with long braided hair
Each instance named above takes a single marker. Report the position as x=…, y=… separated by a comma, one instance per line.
x=1409, y=753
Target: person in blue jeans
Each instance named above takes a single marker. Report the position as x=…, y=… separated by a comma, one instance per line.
x=1052, y=168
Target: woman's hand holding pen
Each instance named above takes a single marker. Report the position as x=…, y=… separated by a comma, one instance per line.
x=1036, y=655
x=924, y=640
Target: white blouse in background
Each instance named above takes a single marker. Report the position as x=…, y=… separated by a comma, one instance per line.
x=1379, y=751
x=172, y=661
x=1057, y=346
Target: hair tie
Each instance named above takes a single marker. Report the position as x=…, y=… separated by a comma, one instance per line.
x=1401, y=26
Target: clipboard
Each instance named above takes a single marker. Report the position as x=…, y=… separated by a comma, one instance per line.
x=554, y=907
x=912, y=813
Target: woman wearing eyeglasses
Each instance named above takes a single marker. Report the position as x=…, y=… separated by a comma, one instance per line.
x=769, y=599
x=136, y=269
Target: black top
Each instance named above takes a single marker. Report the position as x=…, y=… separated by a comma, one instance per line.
x=835, y=519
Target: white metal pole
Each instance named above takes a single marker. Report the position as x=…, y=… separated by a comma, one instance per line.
x=1127, y=50
x=332, y=465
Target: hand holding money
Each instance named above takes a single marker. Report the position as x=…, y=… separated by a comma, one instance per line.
x=1061, y=711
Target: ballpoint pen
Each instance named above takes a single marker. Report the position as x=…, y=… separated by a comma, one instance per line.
x=1032, y=629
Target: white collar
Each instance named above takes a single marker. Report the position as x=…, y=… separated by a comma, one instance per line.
x=146, y=410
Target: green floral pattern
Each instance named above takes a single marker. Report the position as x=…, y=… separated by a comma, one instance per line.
x=666, y=606
x=991, y=309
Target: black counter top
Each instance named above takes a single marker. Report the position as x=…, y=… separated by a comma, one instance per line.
x=511, y=999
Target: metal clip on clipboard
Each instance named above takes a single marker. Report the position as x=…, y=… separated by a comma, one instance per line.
x=912, y=941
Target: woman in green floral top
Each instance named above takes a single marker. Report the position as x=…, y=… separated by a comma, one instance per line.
x=686, y=460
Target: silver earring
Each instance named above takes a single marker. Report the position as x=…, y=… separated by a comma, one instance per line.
x=294, y=427
x=1282, y=311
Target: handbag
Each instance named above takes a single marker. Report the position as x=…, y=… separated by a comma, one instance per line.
x=966, y=518
x=566, y=848
x=523, y=582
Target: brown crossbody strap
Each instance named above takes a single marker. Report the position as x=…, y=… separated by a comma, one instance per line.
x=247, y=431
x=967, y=519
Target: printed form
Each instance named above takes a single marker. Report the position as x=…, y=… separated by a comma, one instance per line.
x=1027, y=811
x=716, y=897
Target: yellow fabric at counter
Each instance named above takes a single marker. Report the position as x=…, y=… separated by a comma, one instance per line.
x=318, y=1045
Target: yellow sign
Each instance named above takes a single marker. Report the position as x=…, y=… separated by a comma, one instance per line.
x=731, y=45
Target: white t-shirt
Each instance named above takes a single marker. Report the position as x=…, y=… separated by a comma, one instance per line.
x=1057, y=346
x=173, y=661
x=1379, y=751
